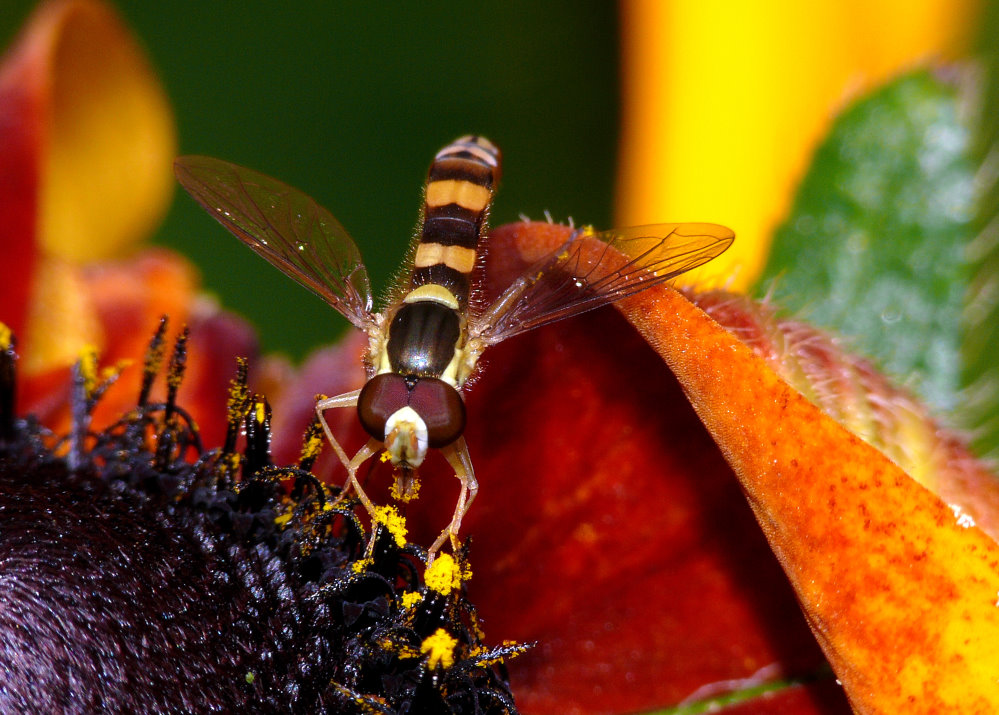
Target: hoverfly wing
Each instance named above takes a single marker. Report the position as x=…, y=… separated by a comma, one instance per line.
x=593, y=269
x=286, y=227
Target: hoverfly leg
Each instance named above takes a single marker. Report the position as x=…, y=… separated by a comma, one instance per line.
x=457, y=456
x=365, y=453
x=372, y=447
x=347, y=399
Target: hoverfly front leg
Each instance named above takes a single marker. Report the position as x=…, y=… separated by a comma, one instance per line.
x=457, y=456
x=348, y=399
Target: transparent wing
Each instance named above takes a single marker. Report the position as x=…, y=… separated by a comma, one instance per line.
x=594, y=269
x=286, y=227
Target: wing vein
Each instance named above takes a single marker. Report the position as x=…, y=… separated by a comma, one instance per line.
x=593, y=269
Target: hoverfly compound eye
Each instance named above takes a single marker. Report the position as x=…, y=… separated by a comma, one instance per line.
x=381, y=397
x=441, y=407
x=438, y=405
x=436, y=402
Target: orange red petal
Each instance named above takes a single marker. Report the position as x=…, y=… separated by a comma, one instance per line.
x=901, y=593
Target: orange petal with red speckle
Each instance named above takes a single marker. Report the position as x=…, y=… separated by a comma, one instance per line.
x=900, y=592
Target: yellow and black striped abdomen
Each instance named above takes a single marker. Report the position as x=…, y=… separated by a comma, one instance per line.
x=426, y=329
x=459, y=191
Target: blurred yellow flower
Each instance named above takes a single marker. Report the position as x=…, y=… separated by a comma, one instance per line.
x=107, y=179
x=90, y=142
x=87, y=142
x=724, y=102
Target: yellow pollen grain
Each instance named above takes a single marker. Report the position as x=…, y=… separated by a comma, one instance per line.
x=260, y=415
x=402, y=650
x=311, y=447
x=111, y=372
x=116, y=369
x=410, y=599
x=388, y=517
x=453, y=191
x=6, y=337
x=459, y=258
x=229, y=463
x=484, y=662
x=384, y=456
x=361, y=565
x=88, y=367
x=409, y=492
x=282, y=519
x=440, y=649
x=445, y=575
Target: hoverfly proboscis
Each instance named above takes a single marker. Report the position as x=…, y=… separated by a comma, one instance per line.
x=423, y=346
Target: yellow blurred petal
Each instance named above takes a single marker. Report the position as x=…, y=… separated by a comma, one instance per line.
x=61, y=318
x=98, y=133
x=109, y=145
x=724, y=102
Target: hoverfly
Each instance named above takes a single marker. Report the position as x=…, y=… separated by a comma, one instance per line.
x=424, y=345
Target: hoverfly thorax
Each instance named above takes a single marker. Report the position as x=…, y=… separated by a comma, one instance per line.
x=426, y=344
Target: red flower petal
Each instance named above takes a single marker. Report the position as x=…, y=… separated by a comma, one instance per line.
x=22, y=103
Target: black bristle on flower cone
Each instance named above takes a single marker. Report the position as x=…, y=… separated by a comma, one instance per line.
x=257, y=452
x=143, y=573
x=8, y=384
x=152, y=362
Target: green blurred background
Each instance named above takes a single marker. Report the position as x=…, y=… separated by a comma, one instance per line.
x=350, y=101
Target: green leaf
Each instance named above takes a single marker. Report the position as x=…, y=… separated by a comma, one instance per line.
x=874, y=246
x=980, y=349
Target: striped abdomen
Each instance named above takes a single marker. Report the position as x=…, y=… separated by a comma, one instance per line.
x=460, y=187
x=427, y=327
